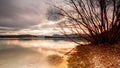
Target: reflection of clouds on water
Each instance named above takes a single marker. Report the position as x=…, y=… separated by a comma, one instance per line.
x=44, y=46
x=32, y=53
x=39, y=43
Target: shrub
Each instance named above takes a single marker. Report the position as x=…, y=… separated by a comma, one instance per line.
x=99, y=20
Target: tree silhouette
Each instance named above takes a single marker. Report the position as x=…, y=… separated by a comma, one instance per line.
x=99, y=20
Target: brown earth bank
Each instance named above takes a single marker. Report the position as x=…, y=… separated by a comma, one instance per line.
x=94, y=56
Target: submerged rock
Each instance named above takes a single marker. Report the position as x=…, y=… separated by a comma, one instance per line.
x=54, y=59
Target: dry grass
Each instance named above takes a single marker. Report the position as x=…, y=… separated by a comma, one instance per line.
x=89, y=56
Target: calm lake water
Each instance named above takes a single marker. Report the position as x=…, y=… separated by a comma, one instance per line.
x=32, y=53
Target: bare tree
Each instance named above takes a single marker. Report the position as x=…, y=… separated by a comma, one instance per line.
x=99, y=20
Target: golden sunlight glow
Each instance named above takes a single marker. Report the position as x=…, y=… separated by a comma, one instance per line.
x=51, y=22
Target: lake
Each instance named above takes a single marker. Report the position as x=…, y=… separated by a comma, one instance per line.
x=33, y=53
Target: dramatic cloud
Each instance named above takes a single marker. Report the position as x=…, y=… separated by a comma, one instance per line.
x=17, y=15
x=22, y=13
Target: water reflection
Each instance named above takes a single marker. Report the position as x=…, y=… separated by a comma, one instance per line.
x=33, y=53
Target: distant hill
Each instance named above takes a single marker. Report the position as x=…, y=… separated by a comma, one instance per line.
x=18, y=36
x=27, y=36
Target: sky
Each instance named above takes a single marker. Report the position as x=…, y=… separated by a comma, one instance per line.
x=26, y=17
